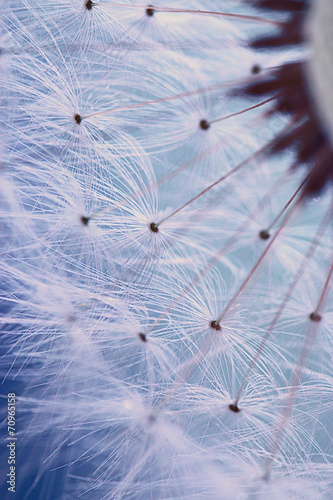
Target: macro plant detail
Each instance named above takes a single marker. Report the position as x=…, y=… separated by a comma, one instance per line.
x=166, y=248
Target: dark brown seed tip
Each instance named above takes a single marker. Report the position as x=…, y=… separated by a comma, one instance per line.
x=256, y=69
x=264, y=235
x=215, y=325
x=315, y=317
x=89, y=4
x=153, y=227
x=78, y=119
x=143, y=337
x=233, y=407
x=85, y=220
x=204, y=125
x=150, y=11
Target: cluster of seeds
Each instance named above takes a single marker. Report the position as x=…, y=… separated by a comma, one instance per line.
x=166, y=251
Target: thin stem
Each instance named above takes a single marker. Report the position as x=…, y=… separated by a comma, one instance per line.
x=224, y=177
x=211, y=122
x=173, y=97
x=202, y=90
x=242, y=17
x=303, y=358
x=256, y=266
x=324, y=291
x=287, y=205
x=304, y=263
x=170, y=175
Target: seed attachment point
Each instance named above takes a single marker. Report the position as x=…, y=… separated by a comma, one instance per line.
x=204, y=125
x=256, y=69
x=150, y=11
x=154, y=227
x=78, y=118
x=215, y=325
x=264, y=235
x=143, y=337
x=85, y=220
x=233, y=407
x=315, y=317
x=89, y=5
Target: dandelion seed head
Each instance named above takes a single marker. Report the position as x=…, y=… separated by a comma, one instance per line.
x=166, y=247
